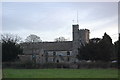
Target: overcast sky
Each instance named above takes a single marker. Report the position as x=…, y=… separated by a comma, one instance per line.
x=55, y=19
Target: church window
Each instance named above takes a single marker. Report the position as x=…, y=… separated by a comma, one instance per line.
x=57, y=61
x=53, y=59
x=54, y=53
x=68, y=53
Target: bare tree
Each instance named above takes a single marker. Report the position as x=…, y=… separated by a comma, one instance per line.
x=60, y=39
x=10, y=37
x=10, y=47
x=33, y=38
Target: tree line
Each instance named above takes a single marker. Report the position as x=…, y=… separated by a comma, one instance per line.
x=97, y=49
x=11, y=45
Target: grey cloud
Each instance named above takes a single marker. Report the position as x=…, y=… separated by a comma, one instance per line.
x=49, y=17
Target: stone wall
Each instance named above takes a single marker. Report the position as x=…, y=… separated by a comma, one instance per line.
x=44, y=51
x=84, y=36
x=59, y=57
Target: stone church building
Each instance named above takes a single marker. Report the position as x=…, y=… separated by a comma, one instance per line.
x=56, y=52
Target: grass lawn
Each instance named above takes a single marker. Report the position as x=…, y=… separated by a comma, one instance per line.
x=60, y=73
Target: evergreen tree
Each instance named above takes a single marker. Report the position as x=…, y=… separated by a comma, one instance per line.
x=98, y=49
x=106, y=48
x=115, y=55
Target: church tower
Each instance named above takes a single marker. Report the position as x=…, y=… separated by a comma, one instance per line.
x=84, y=36
x=80, y=37
x=75, y=39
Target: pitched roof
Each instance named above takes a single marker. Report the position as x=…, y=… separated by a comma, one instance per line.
x=48, y=46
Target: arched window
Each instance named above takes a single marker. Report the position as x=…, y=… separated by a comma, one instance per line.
x=54, y=53
x=68, y=53
x=54, y=59
x=57, y=61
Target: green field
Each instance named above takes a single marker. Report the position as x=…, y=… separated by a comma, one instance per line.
x=60, y=73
